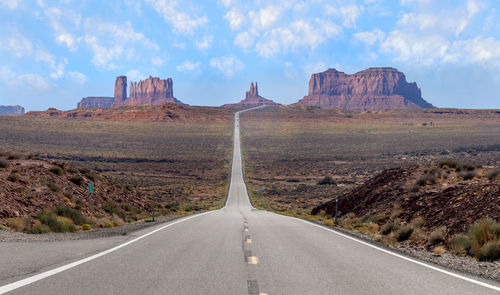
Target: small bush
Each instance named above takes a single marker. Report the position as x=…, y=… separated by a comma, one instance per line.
x=418, y=222
x=86, y=226
x=490, y=251
x=14, y=176
x=469, y=175
x=108, y=224
x=372, y=227
x=328, y=222
x=78, y=180
x=327, y=180
x=368, y=218
x=439, y=250
x=73, y=170
x=426, y=179
x=4, y=163
x=438, y=235
x=460, y=244
x=482, y=232
x=18, y=224
x=39, y=228
x=113, y=209
x=293, y=180
x=403, y=233
x=388, y=228
x=57, y=170
x=84, y=170
x=52, y=187
x=494, y=174
x=75, y=215
x=14, y=157
x=449, y=164
x=56, y=223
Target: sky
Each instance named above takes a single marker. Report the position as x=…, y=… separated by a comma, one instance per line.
x=53, y=53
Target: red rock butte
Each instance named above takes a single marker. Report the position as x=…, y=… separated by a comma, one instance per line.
x=252, y=98
x=371, y=89
x=153, y=90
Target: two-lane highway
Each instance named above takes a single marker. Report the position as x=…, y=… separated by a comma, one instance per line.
x=241, y=250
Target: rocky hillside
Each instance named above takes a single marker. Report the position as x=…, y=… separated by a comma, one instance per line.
x=447, y=194
x=371, y=89
x=11, y=110
x=252, y=98
x=30, y=186
x=168, y=112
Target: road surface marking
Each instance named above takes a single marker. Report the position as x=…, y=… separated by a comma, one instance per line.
x=248, y=241
x=253, y=260
x=246, y=229
x=21, y=283
x=400, y=256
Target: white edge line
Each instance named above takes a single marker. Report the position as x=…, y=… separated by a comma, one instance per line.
x=398, y=255
x=21, y=283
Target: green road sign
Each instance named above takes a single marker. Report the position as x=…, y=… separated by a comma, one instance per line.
x=91, y=187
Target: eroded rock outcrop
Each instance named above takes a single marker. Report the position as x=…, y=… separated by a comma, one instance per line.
x=11, y=110
x=252, y=98
x=150, y=91
x=96, y=102
x=371, y=89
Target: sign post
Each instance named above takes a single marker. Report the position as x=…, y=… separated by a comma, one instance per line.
x=336, y=210
x=154, y=203
x=91, y=191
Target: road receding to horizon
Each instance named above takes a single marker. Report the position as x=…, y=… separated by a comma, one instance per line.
x=235, y=250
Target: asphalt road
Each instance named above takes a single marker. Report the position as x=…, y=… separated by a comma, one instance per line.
x=235, y=250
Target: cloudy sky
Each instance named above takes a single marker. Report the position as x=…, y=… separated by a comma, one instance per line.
x=53, y=53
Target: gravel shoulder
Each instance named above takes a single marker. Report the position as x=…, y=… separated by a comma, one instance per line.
x=97, y=233
x=466, y=265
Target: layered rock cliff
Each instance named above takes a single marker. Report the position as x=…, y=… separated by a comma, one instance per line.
x=371, y=89
x=150, y=91
x=96, y=102
x=11, y=110
x=252, y=98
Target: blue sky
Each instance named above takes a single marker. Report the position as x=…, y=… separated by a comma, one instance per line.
x=53, y=53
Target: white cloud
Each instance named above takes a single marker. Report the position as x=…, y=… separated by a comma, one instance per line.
x=181, y=21
x=290, y=70
x=180, y=45
x=61, y=21
x=227, y=3
x=228, y=65
x=299, y=34
x=477, y=50
x=312, y=68
x=135, y=75
x=68, y=40
x=235, y=19
x=244, y=40
x=265, y=17
x=77, y=77
x=111, y=42
x=17, y=46
x=205, y=43
x=10, y=4
x=157, y=61
x=189, y=66
x=349, y=14
x=14, y=79
x=370, y=38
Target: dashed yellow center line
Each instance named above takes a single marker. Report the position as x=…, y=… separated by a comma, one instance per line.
x=248, y=241
x=246, y=229
x=253, y=260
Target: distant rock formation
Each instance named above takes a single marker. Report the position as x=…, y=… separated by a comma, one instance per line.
x=252, y=98
x=371, y=89
x=96, y=102
x=150, y=91
x=11, y=110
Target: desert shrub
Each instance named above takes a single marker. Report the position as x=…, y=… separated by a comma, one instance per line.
x=14, y=176
x=438, y=235
x=13, y=156
x=388, y=228
x=75, y=215
x=135, y=210
x=18, y=224
x=86, y=226
x=328, y=222
x=57, y=170
x=293, y=180
x=403, y=233
x=39, y=228
x=460, y=244
x=78, y=180
x=92, y=176
x=426, y=179
x=418, y=222
x=414, y=188
x=84, y=170
x=327, y=180
x=439, y=250
x=108, y=224
x=113, y=209
x=469, y=175
x=483, y=231
x=56, y=223
x=4, y=163
x=494, y=174
x=52, y=187
x=490, y=251
x=368, y=218
x=372, y=227
x=449, y=164
x=72, y=170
